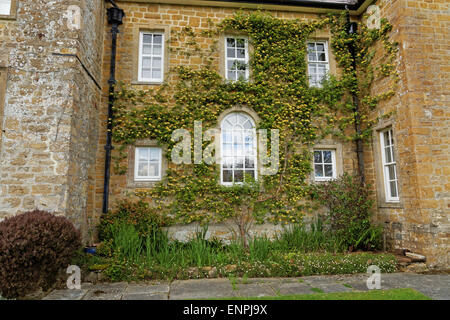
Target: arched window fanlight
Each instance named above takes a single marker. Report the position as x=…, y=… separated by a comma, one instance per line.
x=239, y=152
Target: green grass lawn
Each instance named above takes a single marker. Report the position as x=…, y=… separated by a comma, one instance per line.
x=393, y=294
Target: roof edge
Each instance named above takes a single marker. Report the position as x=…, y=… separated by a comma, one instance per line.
x=308, y=6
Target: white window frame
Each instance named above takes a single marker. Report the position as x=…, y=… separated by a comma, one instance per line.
x=386, y=165
x=254, y=150
x=333, y=165
x=141, y=56
x=244, y=60
x=6, y=6
x=136, y=165
x=326, y=63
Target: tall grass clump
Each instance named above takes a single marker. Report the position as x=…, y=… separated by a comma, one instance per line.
x=299, y=238
x=127, y=242
x=259, y=248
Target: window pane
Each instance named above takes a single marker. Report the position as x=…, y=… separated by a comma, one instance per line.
x=386, y=138
x=311, y=56
x=240, y=43
x=154, y=154
x=322, y=56
x=320, y=47
x=393, y=185
x=239, y=162
x=147, y=38
x=5, y=7
x=241, y=75
x=318, y=170
x=154, y=170
x=227, y=176
x=241, y=53
x=157, y=50
x=249, y=162
x=238, y=176
x=143, y=169
x=248, y=138
x=250, y=174
x=227, y=149
x=238, y=149
x=146, y=63
x=248, y=125
x=327, y=156
x=156, y=74
x=231, y=53
x=156, y=63
x=238, y=137
x=232, y=119
x=142, y=154
x=226, y=135
x=249, y=149
x=231, y=75
x=328, y=170
x=240, y=65
x=157, y=38
x=321, y=69
x=311, y=46
x=317, y=156
x=146, y=73
x=146, y=49
x=392, y=172
x=387, y=152
x=227, y=163
x=230, y=42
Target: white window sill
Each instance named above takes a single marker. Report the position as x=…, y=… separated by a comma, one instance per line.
x=8, y=17
x=324, y=179
x=147, y=180
x=147, y=82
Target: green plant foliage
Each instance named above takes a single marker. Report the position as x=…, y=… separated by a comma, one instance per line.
x=278, y=92
x=349, y=213
x=139, y=214
x=152, y=258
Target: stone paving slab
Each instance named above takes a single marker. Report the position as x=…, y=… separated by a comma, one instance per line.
x=146, y=288
x=145, y=296
x=292, y=288
x=66, y=295
x=201, y=289
x=254, y=290
x=434, y=286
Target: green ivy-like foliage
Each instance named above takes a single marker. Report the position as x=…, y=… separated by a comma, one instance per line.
x=278, y=92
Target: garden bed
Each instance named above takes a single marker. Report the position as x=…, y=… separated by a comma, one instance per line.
x=206, y=259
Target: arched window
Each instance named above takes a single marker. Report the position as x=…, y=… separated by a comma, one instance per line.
x=238, y=148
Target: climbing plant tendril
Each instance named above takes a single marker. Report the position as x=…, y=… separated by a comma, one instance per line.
x=278, y=92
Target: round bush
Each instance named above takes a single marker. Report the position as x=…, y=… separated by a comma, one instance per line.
x=34, y=246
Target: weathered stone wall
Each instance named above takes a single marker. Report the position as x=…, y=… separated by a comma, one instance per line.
x=171, y=19
x=421, y=124
x=49, y=119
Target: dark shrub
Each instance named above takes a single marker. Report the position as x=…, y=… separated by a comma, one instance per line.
x=145, y=219
x=349, y=212
x=34, y=246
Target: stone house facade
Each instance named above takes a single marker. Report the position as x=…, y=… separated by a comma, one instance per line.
x=54, y=72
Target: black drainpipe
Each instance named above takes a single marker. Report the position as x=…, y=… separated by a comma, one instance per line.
x=115, y=16
x=352, y=29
